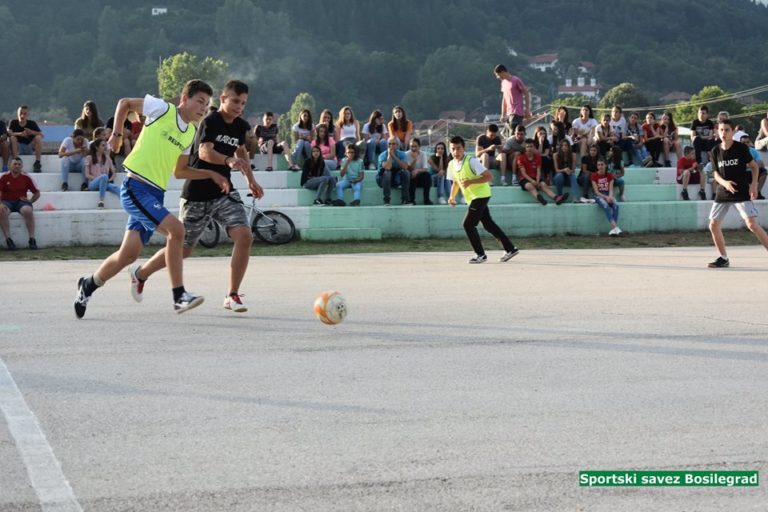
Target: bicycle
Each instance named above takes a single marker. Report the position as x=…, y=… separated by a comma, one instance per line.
x=269, y=226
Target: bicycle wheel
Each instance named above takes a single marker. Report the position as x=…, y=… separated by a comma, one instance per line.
x=273, y=227
x=210, y=236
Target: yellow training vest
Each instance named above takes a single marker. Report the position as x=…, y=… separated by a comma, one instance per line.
x=475, y=191
x=158, y=148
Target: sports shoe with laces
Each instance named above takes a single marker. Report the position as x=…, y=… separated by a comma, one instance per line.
x=187, y=301
x=702, y=195
x=720, y=262
x=479, y=259
x=684, y=195
x=81, y=301
x=509, y=255
x=137, y=285
x=33, y=244
x=37, y=167
x=10, y=244
x=235, y=303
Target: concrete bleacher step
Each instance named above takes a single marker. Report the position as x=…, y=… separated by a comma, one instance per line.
x=337, y=234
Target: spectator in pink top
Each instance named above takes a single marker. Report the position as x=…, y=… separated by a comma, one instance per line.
x=516, y=98
x=327, y=146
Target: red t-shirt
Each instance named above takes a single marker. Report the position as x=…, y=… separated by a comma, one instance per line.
x=530, y=166
x=684, y=163
x=603, y=182
x=650, y=132
x=15, y=188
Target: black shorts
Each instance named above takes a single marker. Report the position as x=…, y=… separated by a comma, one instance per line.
x=277, y=149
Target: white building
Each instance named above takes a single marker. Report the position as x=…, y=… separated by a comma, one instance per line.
x=543, y=62
x=569, y=89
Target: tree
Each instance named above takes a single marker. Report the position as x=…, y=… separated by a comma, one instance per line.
x=303, y=100
x=753, y=114
x=625, y=95
x=177, y=70
x=687, y=111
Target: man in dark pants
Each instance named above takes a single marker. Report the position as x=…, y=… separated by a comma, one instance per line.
x=469, y=175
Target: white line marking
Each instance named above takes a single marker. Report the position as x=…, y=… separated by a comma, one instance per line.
x=45, y=475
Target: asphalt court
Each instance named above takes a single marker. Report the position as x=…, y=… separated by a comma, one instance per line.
x=449, y=386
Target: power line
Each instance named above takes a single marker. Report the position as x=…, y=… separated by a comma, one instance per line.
x=724, y=97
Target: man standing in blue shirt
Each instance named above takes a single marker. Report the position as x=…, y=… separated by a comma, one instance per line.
x=393, y=172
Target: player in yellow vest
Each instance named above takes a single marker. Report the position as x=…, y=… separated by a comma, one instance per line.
x=162, y=150
x=469, y=175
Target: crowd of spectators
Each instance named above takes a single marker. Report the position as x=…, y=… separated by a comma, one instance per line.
x=576, y=154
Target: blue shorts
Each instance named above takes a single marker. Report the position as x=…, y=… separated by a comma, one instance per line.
x=144, y=204
x=17, y=205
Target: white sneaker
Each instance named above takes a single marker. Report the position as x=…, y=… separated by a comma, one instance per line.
x=137, y=286
x=186, y=302
x=235, y=303
x=614, y=232
x=514, y=181
x=618, y=230
x=442, y=200
x=504, y=181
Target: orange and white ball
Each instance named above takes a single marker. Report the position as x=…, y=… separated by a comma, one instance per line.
x=330, y=308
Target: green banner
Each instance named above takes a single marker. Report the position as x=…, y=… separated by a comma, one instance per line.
x=628, y=478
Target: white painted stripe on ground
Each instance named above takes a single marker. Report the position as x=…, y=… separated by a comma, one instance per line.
x=45, y=475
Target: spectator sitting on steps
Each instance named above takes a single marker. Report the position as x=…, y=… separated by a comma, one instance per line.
x=488, y=149
x=393, y=172
x=26, y=137
x=72, y=153
x=417, y=166
x=514, y=147
x=529, y=175
x=5, y=145
x=688, y=172
x=100, y=171
x=316, y=176
x=266, y=134
x=747, y=140
x=14, y=197
x=89, y=119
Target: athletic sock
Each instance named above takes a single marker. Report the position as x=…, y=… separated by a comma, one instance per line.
x=177, y=293
x=89, y=285
x=724, y=257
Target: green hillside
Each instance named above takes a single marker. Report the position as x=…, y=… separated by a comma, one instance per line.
x=428, y=55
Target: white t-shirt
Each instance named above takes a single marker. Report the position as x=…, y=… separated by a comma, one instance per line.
x=302, y=132
x=619, y=127
x=582, y=128
x=420, y=160
x=454, y=166
x=154, y=108
x=69, y=145
x=376, y=136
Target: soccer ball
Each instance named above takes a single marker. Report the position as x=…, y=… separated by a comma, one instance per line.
x=330, y=308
